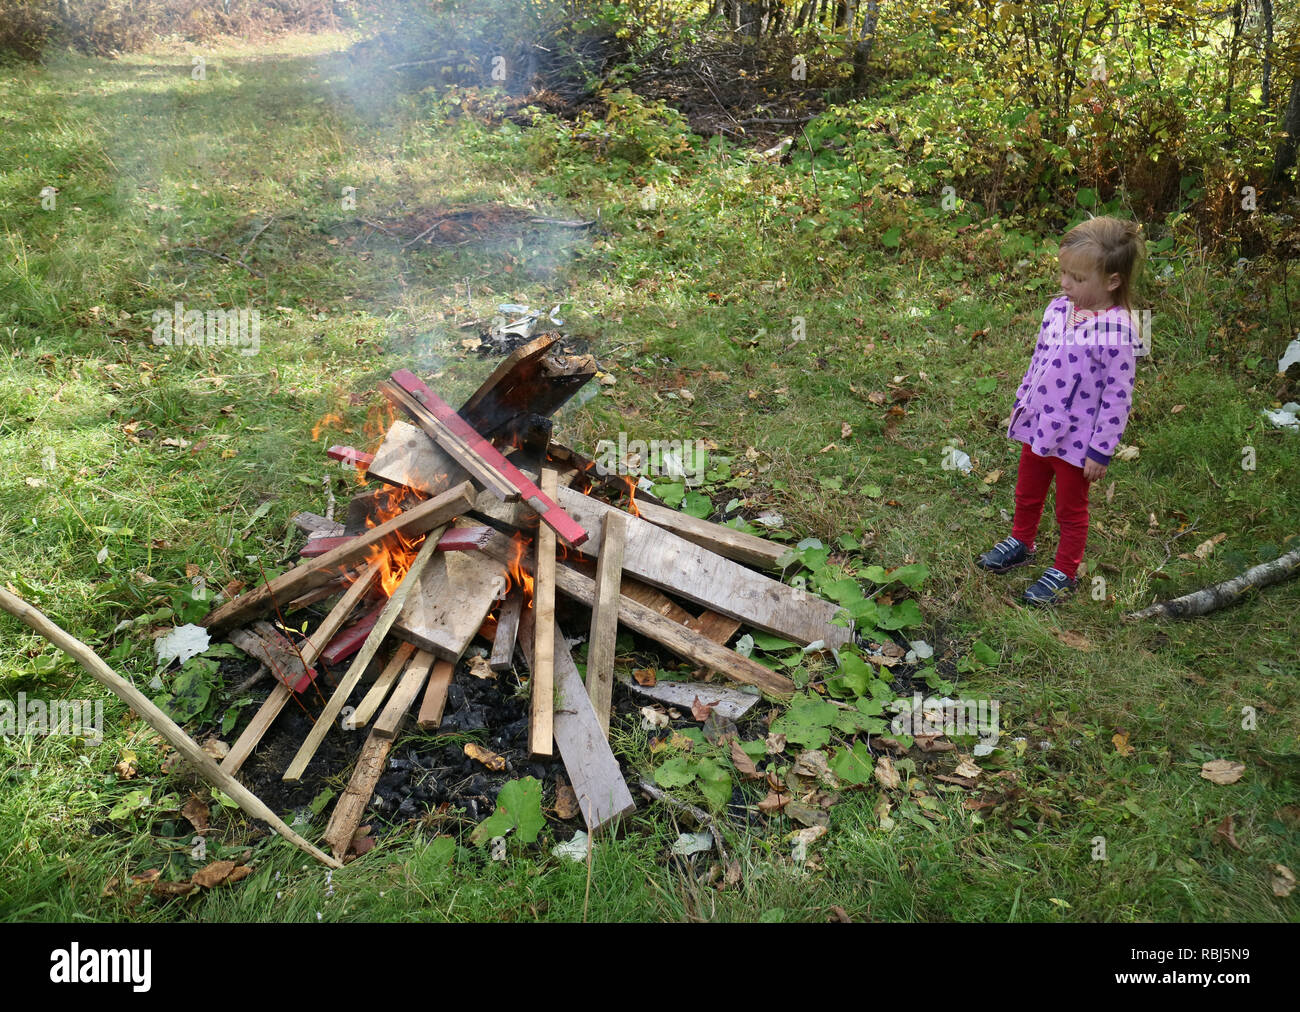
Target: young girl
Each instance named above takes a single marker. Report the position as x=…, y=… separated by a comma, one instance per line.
x=1074, y=401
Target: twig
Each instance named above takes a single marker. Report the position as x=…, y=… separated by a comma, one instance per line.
x=812, y=162
x=425, y=232
x=329, y=498
x=250, y=681
x=158, y=720
x=256, y=235
x=1220, y=595
x=219, y=256
x=700, y=816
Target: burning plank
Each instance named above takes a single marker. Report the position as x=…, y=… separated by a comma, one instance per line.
x=530, y=381
x=423, y=518
x=593, y=771
x=455, y=595
x=503, y=642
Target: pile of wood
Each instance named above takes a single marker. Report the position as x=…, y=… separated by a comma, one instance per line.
x=462, y=542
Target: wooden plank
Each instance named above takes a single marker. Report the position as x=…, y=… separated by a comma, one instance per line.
x=351, y=807
x=267, y=644
x=350, y=455
x=546, y=506
x=353, y=638
x=315, y=572
x=274, y=703
x=656, y=600
x=456, y=593
x=379, y=691
x=349, y=682
x=676, y=637
x=719, y=628
x=724, y=541
x=503, y=642
x=604, y=618
x=488, y=391
x=406, y=450
x=593, y=771
x=313, y=524
x=468, y=455
x=435, y=696
x=458, y=539
x=390, y=721
x=541, y=688
x=730, y=703
x=674, y=564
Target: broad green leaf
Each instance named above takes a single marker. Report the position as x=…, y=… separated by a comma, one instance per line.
x=852, y=766
x=676, y=772
x=715, y=782
x=519, y=807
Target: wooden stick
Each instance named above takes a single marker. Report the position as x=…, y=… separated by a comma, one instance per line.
x=390, y=721
x=542, y=688
x=435, y=696
x=435, y=512
x=503, y=644
x=1221, y=595
x=280, y=695
x=386, y=619
x=724, y=541
x=604, y=618
x=159, y=721
x=351, y=807
x=379, y=691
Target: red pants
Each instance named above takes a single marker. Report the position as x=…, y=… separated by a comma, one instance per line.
x=1032, y=480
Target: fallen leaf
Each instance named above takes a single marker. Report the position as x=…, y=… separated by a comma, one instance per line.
x=1283, y=881
x=125, y=768
x=1177, y=408
x=161, y=888
x=885, y=773
x=744, y=765
x=932, y=743
x=35, y=482
x=1126, y=453
x=701, y=711
x=1204, y=549
x=242, y=872
x=825, y=449
x=774, y=802
x=1225, y=831
x=893, y=744
x=968, y=768
x=840, y=916
x=1073, y=639
x=180, y=444
x=814, y=818
x=489, y=759
x=145, y=877
x=1223, y=771
x=992, y=477
x=812, y=763
x=566, y=802
x=197, y=812
x=216, y=748
x=846, y=430
x=775, y=743
x=645, y=676
x=479, y=667
x=213, y=874
x=652, y=717
x=1120, y=740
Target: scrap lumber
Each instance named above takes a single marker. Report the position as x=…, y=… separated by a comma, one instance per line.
x=350, y=640
x=730, y=703
x=541, y=688
x=313, y=524
x=551, y=513
x=404, y=450
x=94, y=666
x=279, y=696
x=466, y=453
x=456, y=593
x=349, y=455
x=503, y=641
x=395, y=710
x=311, y=574
x=676, y=637
x=349, y=682
x=719, y=628
x=351, y=807
x=379, y=691
x=265, y=643
x=604, y=618
x=717, y=538
x=673, y=564
x=530, y=381
x=435, y=696
x=458, y=539
x=593, y=771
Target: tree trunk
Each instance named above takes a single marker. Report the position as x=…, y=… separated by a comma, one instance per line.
x=1209, y=599
x=862, y=52
x=1265, y=93
x=1284, y=159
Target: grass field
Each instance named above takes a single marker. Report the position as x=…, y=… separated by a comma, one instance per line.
x=697, y=289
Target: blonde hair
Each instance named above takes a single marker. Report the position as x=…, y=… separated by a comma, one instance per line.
x=1112, y=246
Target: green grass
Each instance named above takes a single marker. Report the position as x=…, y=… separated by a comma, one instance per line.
x=704, y=283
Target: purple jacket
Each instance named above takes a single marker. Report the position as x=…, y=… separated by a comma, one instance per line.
x=1075, y=398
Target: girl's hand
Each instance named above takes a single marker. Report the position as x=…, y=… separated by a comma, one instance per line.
x=1092, y=471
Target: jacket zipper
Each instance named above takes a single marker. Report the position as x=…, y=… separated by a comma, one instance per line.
x=1069, y=401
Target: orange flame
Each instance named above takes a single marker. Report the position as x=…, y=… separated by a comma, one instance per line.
x=631, y=497
x=393, y=555
x=330, y=419
x=517, y=575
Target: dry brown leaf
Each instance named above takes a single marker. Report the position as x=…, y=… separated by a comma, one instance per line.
x=645, y=676
x=144, y=877
x=1177, y=408
x=125, y=767
x=846, y=430
x=1226, y=832
x=480, y=668
x=775, y=743
x=1073, y=639
x=1204, y=549
x=968, y=768
x=1223, y=771
x=197, y=812
x=885, y=773
x=744, y=765
x=992, y=477
x=828, y=447
x=839, y=915
x=700, y=710
x=932, y=743
x=1283, y=881
x=967, y=782
x=242, y=872
x=216, y=748
x=1120, y=740
x=566, y=802
x=893, y=744
x=876, y=397
x=774, y=802
x=161, y=888
x=213, y=874
x=489, y=759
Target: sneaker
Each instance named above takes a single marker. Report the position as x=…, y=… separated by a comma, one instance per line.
x=1007, y=554
x=1052, y=586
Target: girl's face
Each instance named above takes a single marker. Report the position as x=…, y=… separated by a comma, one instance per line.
x=1084, y=284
